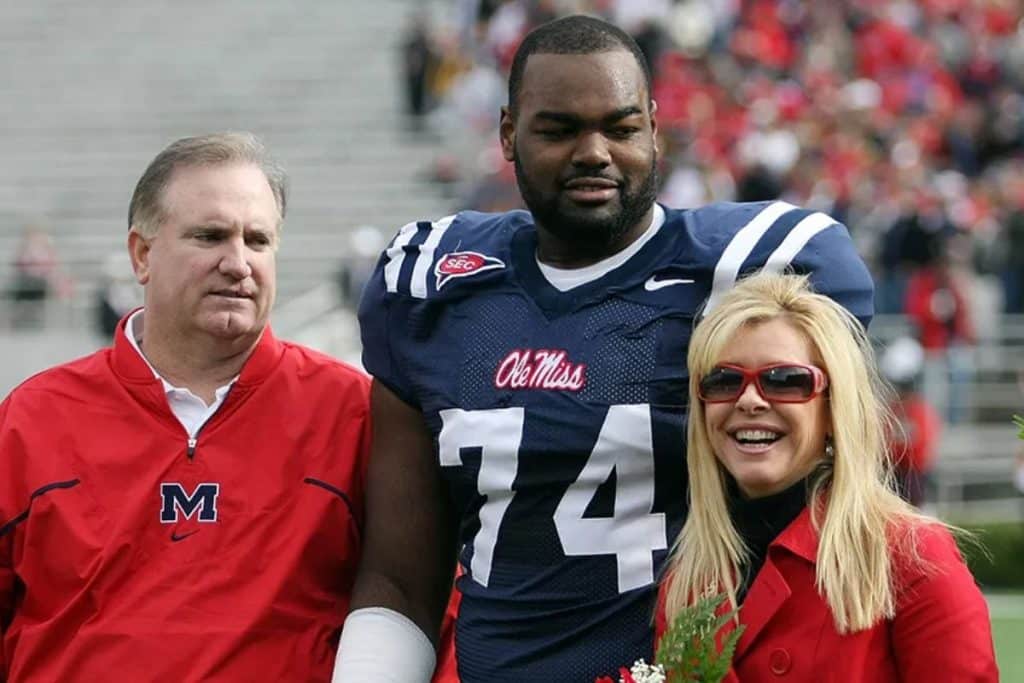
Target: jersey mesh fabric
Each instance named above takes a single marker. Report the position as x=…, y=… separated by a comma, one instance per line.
x=490, y=321
x=624, y=360
x=531, y=579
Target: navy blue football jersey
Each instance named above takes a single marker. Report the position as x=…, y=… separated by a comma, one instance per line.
x=559, y=416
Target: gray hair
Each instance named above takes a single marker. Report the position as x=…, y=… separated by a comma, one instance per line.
x=146, y=212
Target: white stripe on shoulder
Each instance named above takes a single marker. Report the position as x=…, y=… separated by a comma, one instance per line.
x=740, y=247
x=396, y=256
x=797, y=239
x=418, y=286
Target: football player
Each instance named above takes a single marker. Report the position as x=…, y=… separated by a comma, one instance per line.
x=530, y=384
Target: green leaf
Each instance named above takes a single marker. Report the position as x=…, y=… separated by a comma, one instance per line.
x=1019, y=421
x=688, y=650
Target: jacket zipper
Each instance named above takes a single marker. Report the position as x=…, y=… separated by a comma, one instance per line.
x=193, y=441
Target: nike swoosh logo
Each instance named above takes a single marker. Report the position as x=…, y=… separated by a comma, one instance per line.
x=653, y=284
x=175, y=537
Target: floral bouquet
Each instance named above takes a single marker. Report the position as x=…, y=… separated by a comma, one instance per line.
x=688, y=650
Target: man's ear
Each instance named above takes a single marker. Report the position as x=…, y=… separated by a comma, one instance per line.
x=138, y=250
x=507, y=134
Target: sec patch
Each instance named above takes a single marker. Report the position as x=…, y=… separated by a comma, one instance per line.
x=463, y=264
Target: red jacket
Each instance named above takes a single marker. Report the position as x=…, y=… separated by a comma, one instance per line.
x=447, y=668
x=124, y=559
x=941, y=631
x=937, y=305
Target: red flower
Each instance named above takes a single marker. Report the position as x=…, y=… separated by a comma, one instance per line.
x=624, y=675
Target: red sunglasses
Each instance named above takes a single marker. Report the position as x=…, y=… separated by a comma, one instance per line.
x=779, y=383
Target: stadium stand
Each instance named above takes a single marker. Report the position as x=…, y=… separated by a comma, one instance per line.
x=91, y=95
x=906, y=120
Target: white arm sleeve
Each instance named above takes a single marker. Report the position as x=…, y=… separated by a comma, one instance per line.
x=379, y=645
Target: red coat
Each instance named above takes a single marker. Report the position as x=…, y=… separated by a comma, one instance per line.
x=941, y=631
x=124, y=559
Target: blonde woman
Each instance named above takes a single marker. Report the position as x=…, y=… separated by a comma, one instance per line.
x=792, y=511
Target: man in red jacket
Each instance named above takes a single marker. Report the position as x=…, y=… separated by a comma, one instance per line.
x=186, y=505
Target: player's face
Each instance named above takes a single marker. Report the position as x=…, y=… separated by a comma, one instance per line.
x=583, y=144
x=767, y=446
x=210, y=268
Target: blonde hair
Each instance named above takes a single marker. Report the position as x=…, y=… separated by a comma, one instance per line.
x=852, y=500
x=146, y=212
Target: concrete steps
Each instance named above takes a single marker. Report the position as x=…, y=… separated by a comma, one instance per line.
x=91, y=95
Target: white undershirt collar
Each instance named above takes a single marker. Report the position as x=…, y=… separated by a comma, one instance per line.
x=191, y=411
x=564, y=279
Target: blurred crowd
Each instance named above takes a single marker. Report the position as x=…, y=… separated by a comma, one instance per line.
x=904, y=120
x=39, y=278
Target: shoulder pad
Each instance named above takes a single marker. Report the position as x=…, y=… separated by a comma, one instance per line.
x=425, y=256
x=776, y=236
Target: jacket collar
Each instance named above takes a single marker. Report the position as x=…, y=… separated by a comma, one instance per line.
x=133, y=369
x=800, y=538
x=770, y=590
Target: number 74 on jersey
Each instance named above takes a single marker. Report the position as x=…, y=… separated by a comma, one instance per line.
x=624, y=446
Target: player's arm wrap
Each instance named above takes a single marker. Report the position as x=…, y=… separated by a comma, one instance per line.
x=379, y=645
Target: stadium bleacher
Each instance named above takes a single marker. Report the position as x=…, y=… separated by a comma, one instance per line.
x=91, y=95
